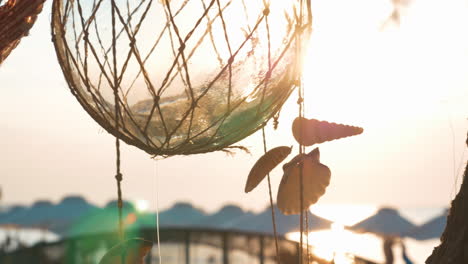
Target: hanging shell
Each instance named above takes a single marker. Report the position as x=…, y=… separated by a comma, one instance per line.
x=134, y=250
x=312, y=131
x=316, y=178
x=264, y=165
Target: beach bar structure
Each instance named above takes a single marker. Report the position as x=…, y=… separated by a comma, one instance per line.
x=177, y=246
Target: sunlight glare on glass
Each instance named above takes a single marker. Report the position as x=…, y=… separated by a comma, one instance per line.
x=142, y=205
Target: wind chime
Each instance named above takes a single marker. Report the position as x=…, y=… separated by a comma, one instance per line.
x=304, y=179
x=179, y=77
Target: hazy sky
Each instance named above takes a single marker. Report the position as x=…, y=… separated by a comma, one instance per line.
x=407, y=86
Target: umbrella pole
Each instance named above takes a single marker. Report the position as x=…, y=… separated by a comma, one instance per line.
x=454, y=240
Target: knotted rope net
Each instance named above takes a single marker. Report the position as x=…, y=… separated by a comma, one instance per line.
x=189, y=76
x=16, y=19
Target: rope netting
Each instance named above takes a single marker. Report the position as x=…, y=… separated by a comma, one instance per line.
x=16, y=19
x=190, y=76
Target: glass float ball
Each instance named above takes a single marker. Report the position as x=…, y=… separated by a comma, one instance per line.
x=187, y=76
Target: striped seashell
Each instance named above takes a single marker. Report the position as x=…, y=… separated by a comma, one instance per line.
x=264, y=165
x=316, y=178
x=134, y=250
x=312, y=131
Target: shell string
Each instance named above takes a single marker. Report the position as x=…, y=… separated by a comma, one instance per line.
x=157, y=211
x=300, y=103
x=266, y=12
x=118, y=175
x=273, y=218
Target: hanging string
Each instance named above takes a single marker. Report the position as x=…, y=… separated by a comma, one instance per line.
x=158, y=241
x=273, y=217
x=301, y=181
x=307, y=236
x=300, y=103
x=266, y=12
x=118, y=175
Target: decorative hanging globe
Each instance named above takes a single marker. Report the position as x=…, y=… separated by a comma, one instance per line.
x=180, y=76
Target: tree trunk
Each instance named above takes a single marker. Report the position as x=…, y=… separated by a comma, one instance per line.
x=454, y=241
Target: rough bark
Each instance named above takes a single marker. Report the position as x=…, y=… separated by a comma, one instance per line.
x=454, y=241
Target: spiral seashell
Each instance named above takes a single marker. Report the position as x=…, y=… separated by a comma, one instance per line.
x=264, y=165
x=316, y=178
x=134, y=250
x=312, y=131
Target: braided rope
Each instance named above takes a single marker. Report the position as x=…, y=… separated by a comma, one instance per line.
x=118, y=176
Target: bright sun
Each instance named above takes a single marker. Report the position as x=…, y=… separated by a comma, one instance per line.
x=363, y=71
x=355, y=63
x=142, y=205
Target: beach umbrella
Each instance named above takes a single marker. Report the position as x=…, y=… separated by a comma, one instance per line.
x=432, y=229
x=386, y=222
x=285, y=223
x=16, y=19
x=57, y=218
x=37, y=215
x=12, y=213
x=222, y=218
x=180, y=215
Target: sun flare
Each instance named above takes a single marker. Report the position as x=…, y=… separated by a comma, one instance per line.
x=341, y=245
x=142, y=205
x=355, y=63
x=343, y=214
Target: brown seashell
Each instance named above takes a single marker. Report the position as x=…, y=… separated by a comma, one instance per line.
x=316, y=178
x=312, y=131
x=133, y=250
x=264, y=165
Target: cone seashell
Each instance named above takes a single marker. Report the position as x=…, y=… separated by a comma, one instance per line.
x=316, y=178
x=312, y=131
x=134, y=250
x=264, y=165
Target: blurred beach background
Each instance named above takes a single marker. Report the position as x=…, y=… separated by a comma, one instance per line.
x=405, y=83
x=48, y=222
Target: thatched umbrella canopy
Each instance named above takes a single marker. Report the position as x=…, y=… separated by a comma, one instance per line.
x=285, y=223
x=386, y=222
x=431, y=229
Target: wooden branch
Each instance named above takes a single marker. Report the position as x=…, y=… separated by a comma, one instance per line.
x=454, y=242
